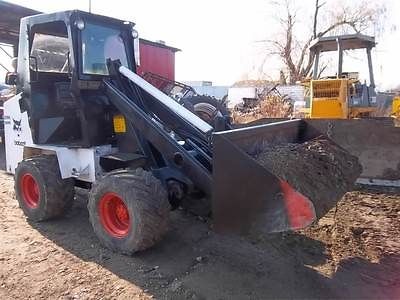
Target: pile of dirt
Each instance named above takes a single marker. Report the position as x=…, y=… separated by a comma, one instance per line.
x=354, y=228
x=356, y=244
x=319, y=169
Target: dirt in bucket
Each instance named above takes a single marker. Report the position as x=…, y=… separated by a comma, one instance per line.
x=319, y=169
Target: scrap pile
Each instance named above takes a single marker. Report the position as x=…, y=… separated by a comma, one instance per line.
x=271, y=106
x=6, y=94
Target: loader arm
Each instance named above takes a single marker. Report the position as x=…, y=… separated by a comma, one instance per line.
x=245, y=195
x=150, y=128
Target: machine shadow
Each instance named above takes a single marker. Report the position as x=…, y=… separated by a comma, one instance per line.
x=2, y=156
x=376, y=190
x=210, y=265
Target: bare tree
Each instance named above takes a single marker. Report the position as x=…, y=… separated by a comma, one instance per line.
x=338, y=19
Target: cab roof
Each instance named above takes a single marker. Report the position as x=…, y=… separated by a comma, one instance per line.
x=348, y=42
x=67, y=14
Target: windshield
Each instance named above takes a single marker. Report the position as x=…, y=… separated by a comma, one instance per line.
x=98, y=44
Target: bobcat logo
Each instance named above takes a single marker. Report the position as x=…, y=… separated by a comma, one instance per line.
x=17, y=126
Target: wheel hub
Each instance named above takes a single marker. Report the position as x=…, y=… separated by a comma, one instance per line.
x=30, y=190
x=114, y=215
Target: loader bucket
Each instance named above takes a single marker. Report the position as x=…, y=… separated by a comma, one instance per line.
x=247, y=196
x=375, y=141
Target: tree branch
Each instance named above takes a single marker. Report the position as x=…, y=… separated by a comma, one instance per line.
x=315, y=18
x=294, y=52
x=303, y=54
x=352, y=24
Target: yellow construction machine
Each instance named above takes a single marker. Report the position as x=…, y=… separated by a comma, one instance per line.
x=342, y=96
x=396, y=107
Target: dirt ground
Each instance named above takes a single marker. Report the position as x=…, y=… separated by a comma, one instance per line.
x=353, y=253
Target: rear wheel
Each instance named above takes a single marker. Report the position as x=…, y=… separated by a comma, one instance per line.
x=129, y=210
x=41, y=192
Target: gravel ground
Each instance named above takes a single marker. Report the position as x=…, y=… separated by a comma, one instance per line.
x=352, y=253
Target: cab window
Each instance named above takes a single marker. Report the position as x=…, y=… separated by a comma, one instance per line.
x=98, y=44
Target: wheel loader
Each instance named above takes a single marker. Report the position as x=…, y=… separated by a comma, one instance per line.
x=82, y=118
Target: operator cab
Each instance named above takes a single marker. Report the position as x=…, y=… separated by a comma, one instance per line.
x=61, y=64
x=360, y=94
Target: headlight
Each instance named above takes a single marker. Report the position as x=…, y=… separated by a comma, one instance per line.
x=80, y=24
x=135, y=34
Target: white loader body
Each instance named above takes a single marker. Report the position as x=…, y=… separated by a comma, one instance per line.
x=80, y=163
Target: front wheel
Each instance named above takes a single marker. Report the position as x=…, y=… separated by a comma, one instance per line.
x=41, y=192
x=129, y=210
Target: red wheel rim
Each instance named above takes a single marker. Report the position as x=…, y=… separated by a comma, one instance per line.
x=30, y=190
x=114, y=215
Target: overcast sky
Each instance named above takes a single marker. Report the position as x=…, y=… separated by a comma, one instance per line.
x=218, y=38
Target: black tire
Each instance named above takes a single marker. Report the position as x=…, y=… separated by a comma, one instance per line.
x=206, y=107
x=49, y=196
x=142, y=196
